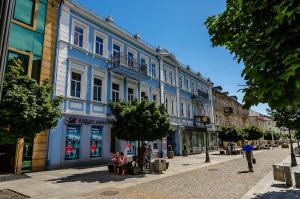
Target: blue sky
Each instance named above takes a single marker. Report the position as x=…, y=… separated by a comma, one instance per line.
x=178, y=25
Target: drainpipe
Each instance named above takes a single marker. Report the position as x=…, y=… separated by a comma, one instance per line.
x=54, y=72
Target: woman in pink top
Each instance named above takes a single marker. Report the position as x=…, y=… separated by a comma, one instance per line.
x=122, y=162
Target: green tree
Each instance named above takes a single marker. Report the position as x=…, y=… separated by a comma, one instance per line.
x=252, y=133
x=288, y=117
x=140, y=121
x=268, y=135
x=229, y=134
x=265, y=36
x=26, y=107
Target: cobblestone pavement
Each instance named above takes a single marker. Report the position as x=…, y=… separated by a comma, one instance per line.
x=225, y=180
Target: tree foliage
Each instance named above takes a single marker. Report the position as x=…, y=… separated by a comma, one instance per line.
x=288, y=117
x=140, y=121
x=229, y=134
x=268, y=135
x=252, y=133
x=265, y=36
x=26, y=107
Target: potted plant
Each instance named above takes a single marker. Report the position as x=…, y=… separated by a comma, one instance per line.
x=184, y=151
x=170, y=152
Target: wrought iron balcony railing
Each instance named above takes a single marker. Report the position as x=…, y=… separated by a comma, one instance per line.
x=202, y=94
x=129, y=62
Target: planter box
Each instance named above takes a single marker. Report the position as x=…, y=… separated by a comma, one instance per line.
x=284, y=146
x=170, y=154
x=185, y=153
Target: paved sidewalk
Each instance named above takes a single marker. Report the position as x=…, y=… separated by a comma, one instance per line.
x=76, y=182
x=268, y=188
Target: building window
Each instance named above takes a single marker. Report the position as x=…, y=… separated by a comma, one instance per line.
x=115, y=92
x=72, y=148
x=78, y=36
x=97, y=89
x=166, y=104
x=143, y=95
x=192, y=85
x=75, y=84
x=171, y=77
x=24, y=11
x=130, y=95
x=180, y=82
x=172, y=107
x=143, y=62
x=96, y=142
x=116, y=50
x=165, y=73
x=99, y=46
x=153, y=70
x=13, y=57
x=130, y=59
x=188, y=111
x=187, y=84
x=181, y=109
x=154, y=98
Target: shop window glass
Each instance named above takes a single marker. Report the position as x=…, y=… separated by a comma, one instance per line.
x=40, y=26
x=36, y=68
x=96, y=142
x=24, y=11
x=13, y=56
x=131, y=147
x=38, y=44
x=72, y=148
x=21, y=38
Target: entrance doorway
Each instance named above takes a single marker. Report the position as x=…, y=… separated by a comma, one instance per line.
x=7, y=158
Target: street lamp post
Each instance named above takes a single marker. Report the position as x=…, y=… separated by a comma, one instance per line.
x=205, y=121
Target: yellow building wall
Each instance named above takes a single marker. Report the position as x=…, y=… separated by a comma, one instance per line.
x=40, y=141
x=49, y=41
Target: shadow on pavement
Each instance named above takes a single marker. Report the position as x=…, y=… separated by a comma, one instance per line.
x=10, y=177
x=282, y=185
x=94, y=176
x=241, y=172
x=290, y=194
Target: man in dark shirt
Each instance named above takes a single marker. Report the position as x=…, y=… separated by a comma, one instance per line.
x=248, y=149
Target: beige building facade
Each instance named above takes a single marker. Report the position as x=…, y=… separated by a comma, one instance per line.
x=228, y=111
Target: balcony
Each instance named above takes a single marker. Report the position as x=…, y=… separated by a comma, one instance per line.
x=128, y=67
x=201, y=96
x=228, y=110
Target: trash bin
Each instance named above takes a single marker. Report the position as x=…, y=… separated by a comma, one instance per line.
x=282, y=173
x=160, y=165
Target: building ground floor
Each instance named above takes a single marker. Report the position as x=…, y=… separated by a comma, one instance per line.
x=194, y=139
x=84, y=140
x=79, y=140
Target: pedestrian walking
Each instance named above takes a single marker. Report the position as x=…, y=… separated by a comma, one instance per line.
x=248, y=149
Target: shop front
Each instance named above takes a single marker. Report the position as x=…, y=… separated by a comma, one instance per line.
x=194, y=139
x=79, y=140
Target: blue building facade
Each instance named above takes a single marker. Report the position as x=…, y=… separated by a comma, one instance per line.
x=96, y=63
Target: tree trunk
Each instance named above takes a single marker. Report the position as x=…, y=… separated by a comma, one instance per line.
x=293, y=157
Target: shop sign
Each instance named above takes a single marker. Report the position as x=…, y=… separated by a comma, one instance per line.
x=76, y=120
